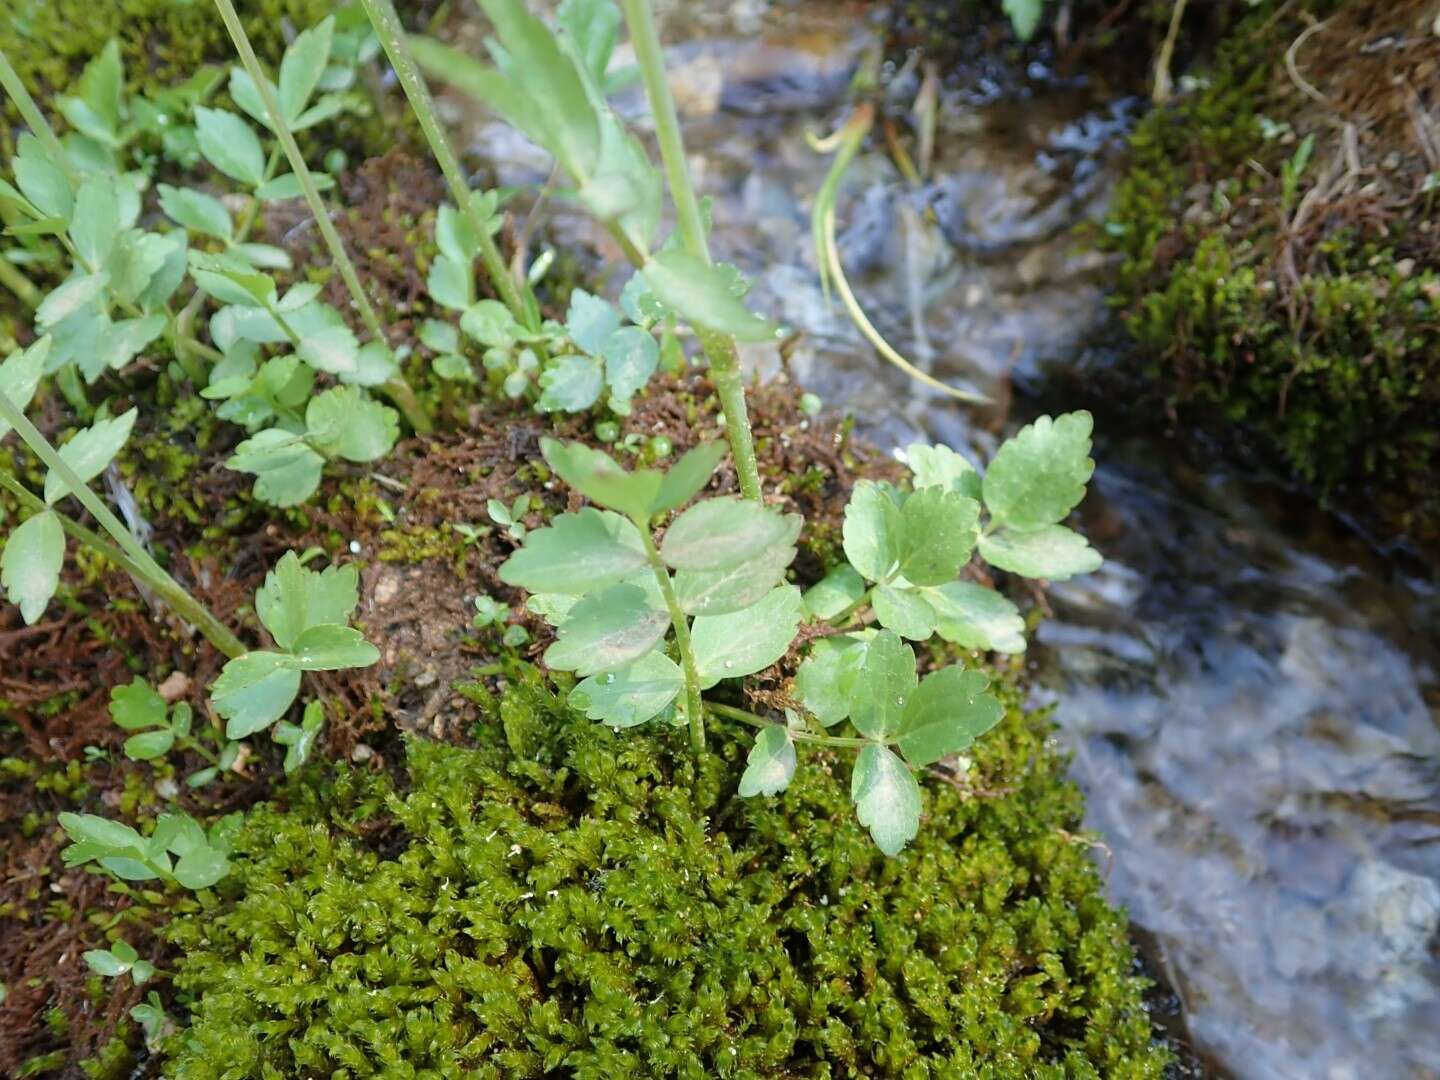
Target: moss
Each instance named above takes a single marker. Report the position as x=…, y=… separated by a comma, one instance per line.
x=1317, y=346
x=565, y=900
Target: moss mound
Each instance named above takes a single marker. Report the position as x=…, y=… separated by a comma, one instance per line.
x=564, y=900
x=1280, y=269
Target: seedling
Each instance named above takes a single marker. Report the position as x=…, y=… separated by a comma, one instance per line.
x=137, y=708
x=179, y=851
x=120, y=959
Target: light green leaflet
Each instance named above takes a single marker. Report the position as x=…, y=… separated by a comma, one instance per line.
x=607, y=630
x=1039, y=475
x=718, y=534
x=1054, y=553
x=887, y=798
x=30, y=564
x=576, y=554
x=728, y=646
x=89, y=452
x=771, y=764
x=632, y=694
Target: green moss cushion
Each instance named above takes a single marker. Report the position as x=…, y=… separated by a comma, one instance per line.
x=568, y=901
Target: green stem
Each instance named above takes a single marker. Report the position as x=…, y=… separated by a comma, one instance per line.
x=392, y=37
x=12, y=278
x=191, y=743
x=407, y=401
x=750, y=718
x=719, y=348
x=694, y=706
x=35, y=119
x=148, y=570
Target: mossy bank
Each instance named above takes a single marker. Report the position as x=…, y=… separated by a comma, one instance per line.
x=1280, y=261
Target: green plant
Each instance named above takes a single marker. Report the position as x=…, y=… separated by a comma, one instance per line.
x=120, y=959
x=137, y=708
x=199, y=858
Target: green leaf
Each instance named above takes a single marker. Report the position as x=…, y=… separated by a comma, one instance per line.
x=597, y=476
x=975, y=617
x=288, y=186
x=607, y=630
x=1039, y=476
x=747, y=641
x=949, y=711
x=30, y=564
x=332, y=349
x=632, y=694
x=1054, y=553
x=286, y=470
x=149, y=745
x=939, y=466
x=904, y=611
x=231, y=145
x=593, y=27
x=720, y=533
x=878, y=698
x=95, y=223
x=771, y=763
x=196, y=210
x=41, y=180
x=576, y=554
x=1024, y=15
x=136, y=705
x=571, y=384
x=490, y=323
x=451, y=284
x=826, y=678
x=887, y=798
x=332, y=648
x=89, y=452
x=253, y=691
x=201, y=868
x=295, y=598
x=938, y=532
x=96, y=109
x=230, y=280
x=590, y=321
x=872, y=530
x=721, y=592
x=346, y=423
x=631, y=357
x=298, y=739
x=20, y=375
x=104, y=963
x=66, y=299
x=303, y=64
x=701, y=294
x=124, y=341
x=688, y=476
x=838, y=591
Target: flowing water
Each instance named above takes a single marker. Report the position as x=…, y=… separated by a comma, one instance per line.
x=1249, y=694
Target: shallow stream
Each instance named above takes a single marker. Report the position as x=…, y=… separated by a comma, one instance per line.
x=1250, y=695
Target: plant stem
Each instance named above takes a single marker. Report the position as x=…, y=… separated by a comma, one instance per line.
x=148, y=570
x=719, y=348
x=14, y=280
x=35, y=119
x=694, y=706
x=338, y=255
x=750, y=718
x=392, y=37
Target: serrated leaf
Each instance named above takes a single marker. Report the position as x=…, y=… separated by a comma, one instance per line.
x=949, y=711
x=20, y=375
x=746, y=641
x=700, y=294
x=770, y=765
x=607, y=630
x=838, y=591
x=576, y=554
x=295, y=598
x=975, y=617
x=1039, y=476
x=346, y=423
x=302, y=65
x=42, y=181
x=298, y=739
x=95, y=222
x=632, y=694
x=125, y=340
x=720, y=533
x=631, y=357
x=286, y=469
x=490, y=323
x=904, y=611
x=231, y=145
x=825, y=680
x=30, y=564
x=196, y=210
x=230, y=280
x=887, y=798
x=879, y=696
x=601, y=479
x=688, y=476
x=872, y=530
x=1054, y=553
x=95, y=109
x=253, y=691
x=939, y=466
x=937, y=535
x=89, y=452
x=136, y=705
x=721, y=592
x=333, y=349
x=571, y=384
x=333, y=648
x=591, y=321
x=66, y=299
